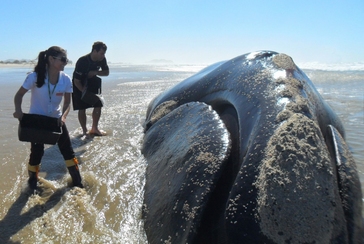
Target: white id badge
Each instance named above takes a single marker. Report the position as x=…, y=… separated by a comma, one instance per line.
x=50, y=108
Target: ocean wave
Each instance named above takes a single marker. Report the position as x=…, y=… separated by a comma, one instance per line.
x=357, y=66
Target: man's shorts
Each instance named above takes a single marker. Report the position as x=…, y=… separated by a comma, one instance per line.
x=94, y=86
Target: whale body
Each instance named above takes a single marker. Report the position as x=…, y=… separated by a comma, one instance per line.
x=247, y=151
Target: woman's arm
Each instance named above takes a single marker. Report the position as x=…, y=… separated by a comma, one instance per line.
x=18, y=99
x=66, y=106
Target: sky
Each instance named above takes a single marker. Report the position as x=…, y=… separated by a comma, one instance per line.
x=185, y=31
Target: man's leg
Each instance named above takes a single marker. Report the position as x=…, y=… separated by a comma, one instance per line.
x=96, y=114
x=82, y=119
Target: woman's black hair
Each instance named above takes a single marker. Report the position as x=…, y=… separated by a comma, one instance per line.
x=41, y=67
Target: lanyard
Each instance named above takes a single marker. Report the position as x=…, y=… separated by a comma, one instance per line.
x=49, y=90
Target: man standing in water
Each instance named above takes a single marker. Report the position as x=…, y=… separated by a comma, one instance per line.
x=85, y=79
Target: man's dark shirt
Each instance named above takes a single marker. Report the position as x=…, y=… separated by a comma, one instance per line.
x=83, y=66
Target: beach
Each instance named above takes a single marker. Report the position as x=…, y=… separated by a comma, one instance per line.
x=108, y=210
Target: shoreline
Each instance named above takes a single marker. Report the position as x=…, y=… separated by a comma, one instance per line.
x=16, y=65
x=30, y=66
x=196, y=67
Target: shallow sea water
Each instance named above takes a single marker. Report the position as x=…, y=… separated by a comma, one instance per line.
x=108, y=210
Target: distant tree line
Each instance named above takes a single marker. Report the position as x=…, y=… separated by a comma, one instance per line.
x=17, y=61
x=22, y=61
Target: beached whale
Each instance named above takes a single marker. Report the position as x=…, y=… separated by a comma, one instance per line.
x=247, y=151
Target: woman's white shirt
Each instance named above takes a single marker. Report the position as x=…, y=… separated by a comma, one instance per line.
x=47, y=99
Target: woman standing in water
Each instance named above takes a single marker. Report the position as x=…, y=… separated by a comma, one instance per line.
x=49, y=84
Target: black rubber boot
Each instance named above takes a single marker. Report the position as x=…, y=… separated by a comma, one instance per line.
x=33, y=180
x=76, y=176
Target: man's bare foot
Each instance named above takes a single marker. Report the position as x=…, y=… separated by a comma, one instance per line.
x=97, y=132
x=86, y=136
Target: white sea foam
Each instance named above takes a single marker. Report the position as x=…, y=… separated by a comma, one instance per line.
x=359, y=66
